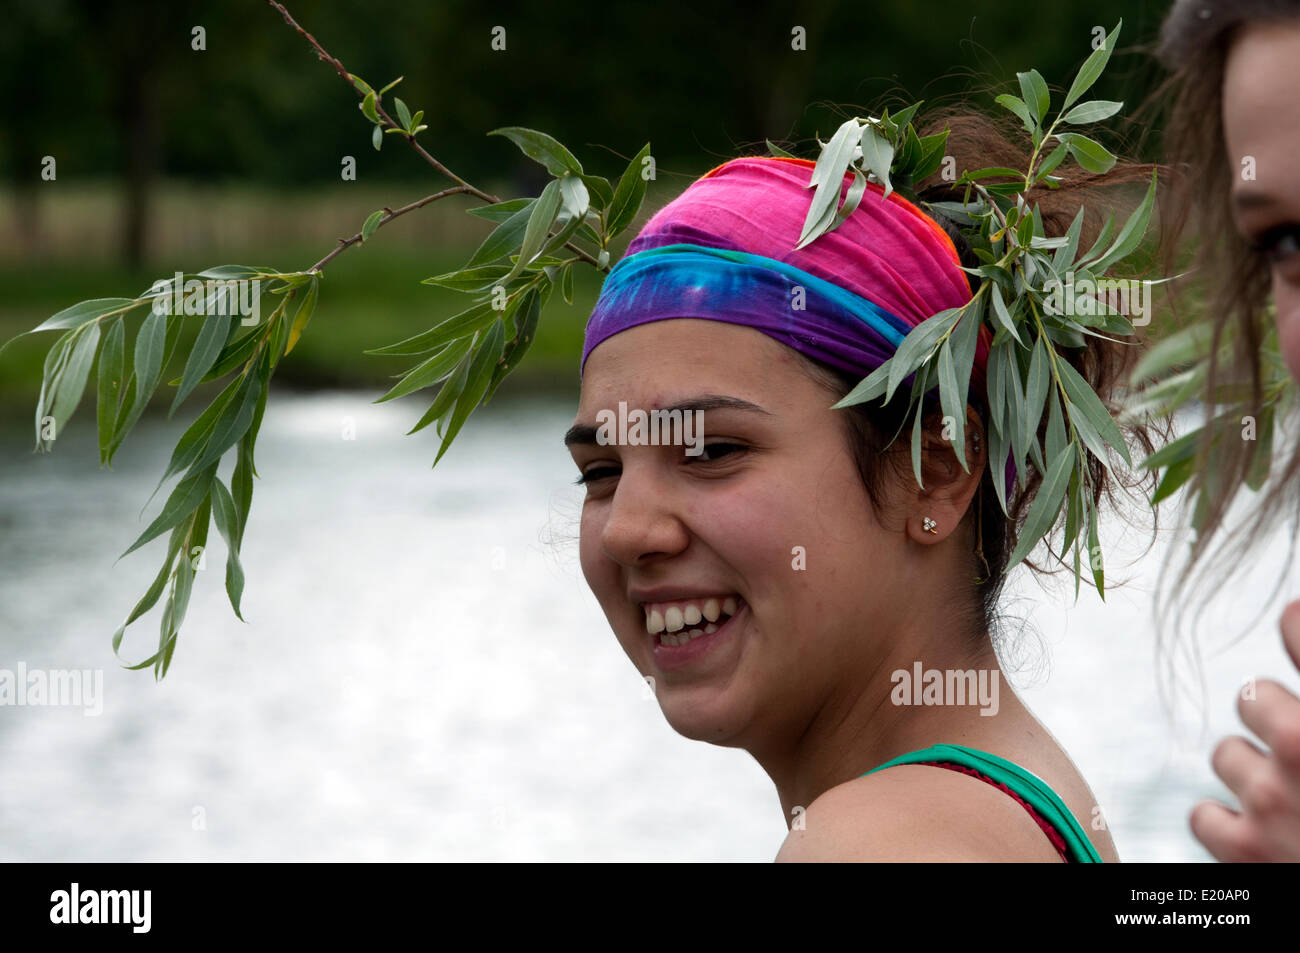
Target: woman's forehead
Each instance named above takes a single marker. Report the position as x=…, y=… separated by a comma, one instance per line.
x=1257, y=96
x=666, y=362
x=672, y=347
x=1261, y=113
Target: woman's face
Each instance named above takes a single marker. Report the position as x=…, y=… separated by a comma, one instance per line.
x=772, y=515
x=1261, y=117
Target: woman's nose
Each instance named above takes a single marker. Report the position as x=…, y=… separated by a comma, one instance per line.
x=642, y=518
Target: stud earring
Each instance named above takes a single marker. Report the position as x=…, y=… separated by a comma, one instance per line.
x=929, y=525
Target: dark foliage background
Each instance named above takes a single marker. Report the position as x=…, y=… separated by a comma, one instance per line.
x=172, y=159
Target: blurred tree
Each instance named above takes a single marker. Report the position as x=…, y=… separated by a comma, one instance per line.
x=114, y=89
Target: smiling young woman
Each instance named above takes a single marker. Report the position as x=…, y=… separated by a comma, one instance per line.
x=776, y=587
x=1234, y=129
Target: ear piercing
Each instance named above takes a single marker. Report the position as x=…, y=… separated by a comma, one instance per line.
x=929, y=525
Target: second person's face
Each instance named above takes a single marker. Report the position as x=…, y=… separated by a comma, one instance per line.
x=1261, y=121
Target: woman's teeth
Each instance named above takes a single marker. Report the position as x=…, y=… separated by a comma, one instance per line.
x=682, y=638
x=672, y=618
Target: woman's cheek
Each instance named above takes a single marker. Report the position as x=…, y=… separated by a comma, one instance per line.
x=597, y=568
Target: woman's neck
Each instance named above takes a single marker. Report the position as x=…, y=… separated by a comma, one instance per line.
x=912, y=697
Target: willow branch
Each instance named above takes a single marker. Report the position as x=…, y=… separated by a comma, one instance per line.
x=345, y=243
x=465, y=187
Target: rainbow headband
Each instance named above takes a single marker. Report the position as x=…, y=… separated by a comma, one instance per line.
x=724, y=251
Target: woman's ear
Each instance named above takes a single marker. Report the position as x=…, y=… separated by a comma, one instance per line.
x=937, y=508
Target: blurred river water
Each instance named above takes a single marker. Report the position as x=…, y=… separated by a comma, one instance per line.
x=425, y=676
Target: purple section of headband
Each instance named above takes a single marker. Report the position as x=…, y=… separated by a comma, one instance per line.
x=672, y=233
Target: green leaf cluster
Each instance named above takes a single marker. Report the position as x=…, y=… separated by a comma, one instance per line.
x=1043, y=413
x=128, y=374
x=407, y=124
x=534, y=246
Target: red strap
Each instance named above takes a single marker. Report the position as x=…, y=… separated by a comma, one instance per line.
x=1053, y=834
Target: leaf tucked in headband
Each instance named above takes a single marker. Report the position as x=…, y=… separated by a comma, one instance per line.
x=1038, y=296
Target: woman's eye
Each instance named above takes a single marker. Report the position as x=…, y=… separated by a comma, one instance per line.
x=596, y=473
x=1279, y=243
x=713, y=451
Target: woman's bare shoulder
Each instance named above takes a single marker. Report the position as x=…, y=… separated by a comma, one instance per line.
x=916, y=813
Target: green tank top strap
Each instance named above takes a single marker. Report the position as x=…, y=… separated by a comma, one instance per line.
x=1024, y=783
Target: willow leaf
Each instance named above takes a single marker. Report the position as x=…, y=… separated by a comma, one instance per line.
x=1131, y=235
x=306, y=308
x=1094, y=110
x=1003, y=315
x=111, y=385
x=501, y=211
x=1036, y=387
x=1034, y=89
x=853, y=197
x=514, y=352
x=869, y=388
x=599, y=189
x=478, y=278
x=1092, y=68
x=227, y=519
x=71, y=383
x=150, y=348
x=538, y=228
x=430, y=371
x=1094, y=552
x=827, y=179
x=877, y=155
x=574, y=195
x=504, y=239
x=464, y=324
x=628, y=194
x=917, y=346
x=916, y=443
x=151, y=596
x=479, y=375
x=207, y=348
x=195, y=437
x=446, y=399
x=542, y=148
x=232, y=424
x=1085, y=399
x=81, y=312
x=184, y=500
x=1046, y=506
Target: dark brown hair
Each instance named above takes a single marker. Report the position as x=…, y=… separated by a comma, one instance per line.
x=1231, y=281
x=976, y=141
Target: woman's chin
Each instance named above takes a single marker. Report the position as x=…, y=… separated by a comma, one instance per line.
x=702, y=715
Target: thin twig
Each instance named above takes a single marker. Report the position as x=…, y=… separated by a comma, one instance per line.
x=345, y=243
x=465, y=187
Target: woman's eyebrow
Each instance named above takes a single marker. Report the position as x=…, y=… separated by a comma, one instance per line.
x=1251, y=198
x=586, y=433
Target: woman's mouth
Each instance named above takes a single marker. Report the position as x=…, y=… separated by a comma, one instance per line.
x=678, y=622
x=684, y=630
